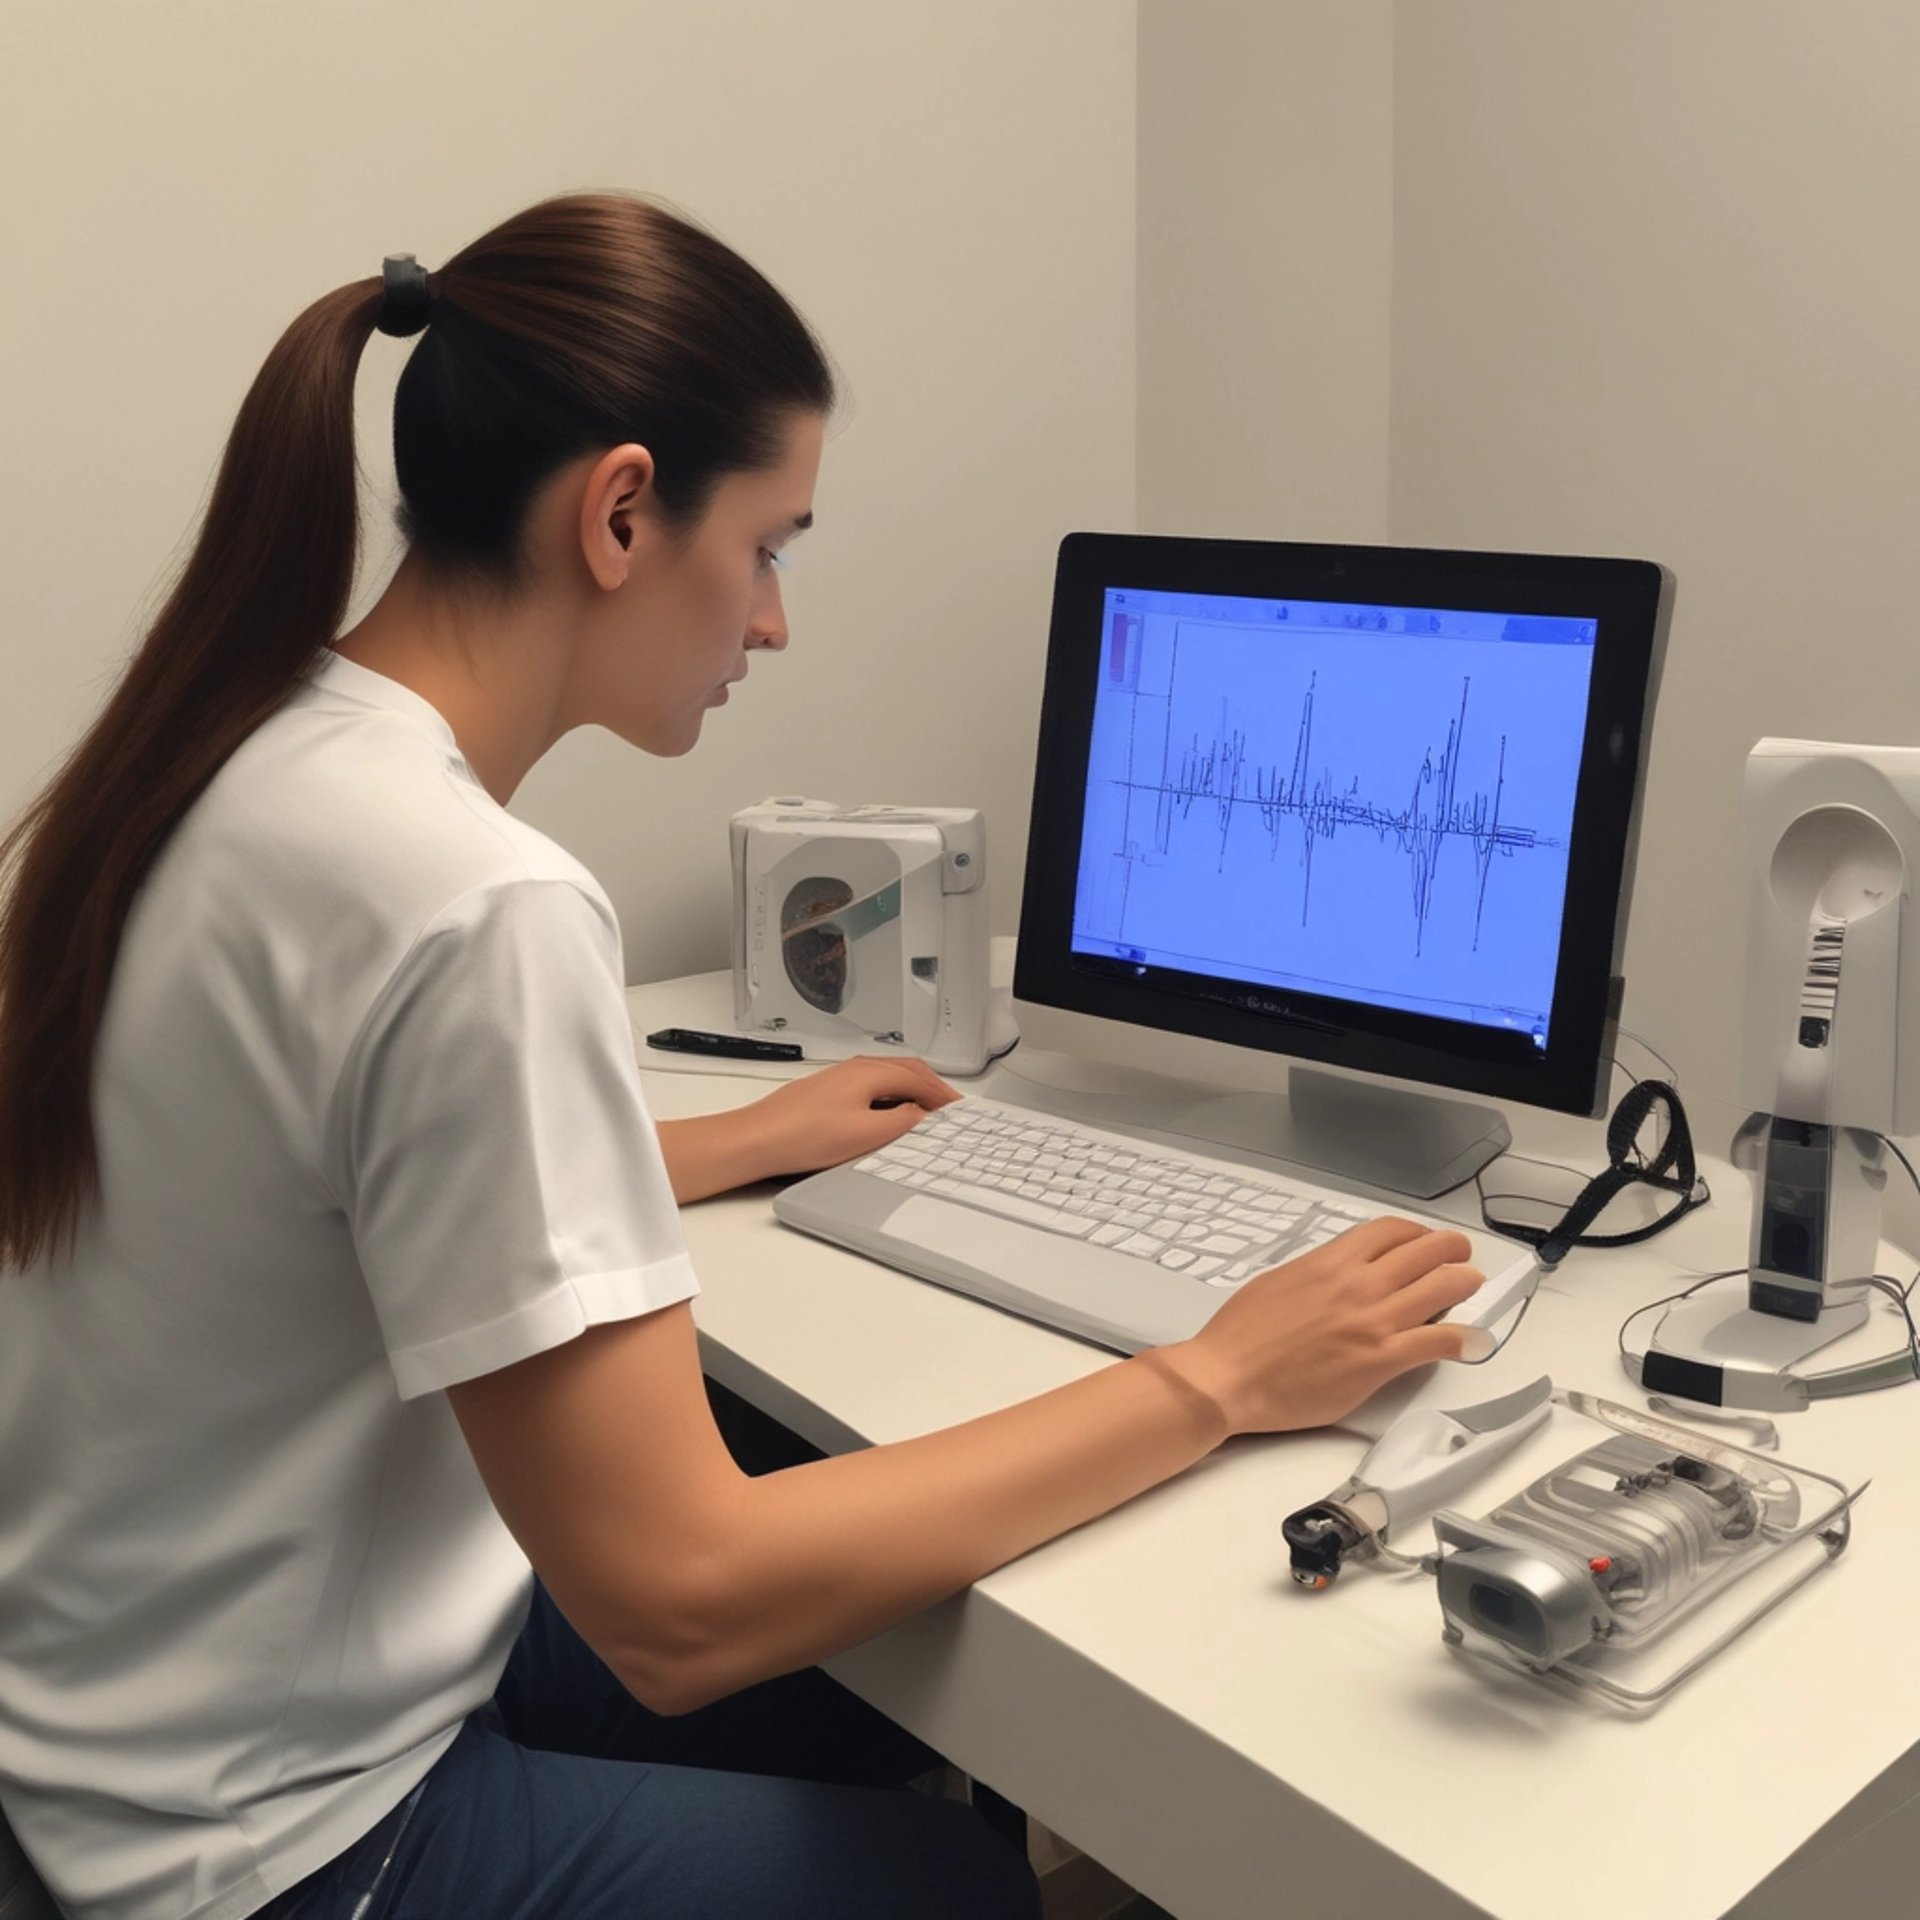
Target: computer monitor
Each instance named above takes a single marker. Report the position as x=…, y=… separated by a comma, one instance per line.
x=1372, y=807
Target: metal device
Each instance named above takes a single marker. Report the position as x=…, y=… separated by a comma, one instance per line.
x=1602, y=1571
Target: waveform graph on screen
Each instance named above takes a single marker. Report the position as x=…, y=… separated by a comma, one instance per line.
x=1352, y=813
x=1302, y=803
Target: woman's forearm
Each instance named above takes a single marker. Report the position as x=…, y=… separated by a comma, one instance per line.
x=711, y=1153
x=825, y=1555
x=692, y=1579
x=827, y=1116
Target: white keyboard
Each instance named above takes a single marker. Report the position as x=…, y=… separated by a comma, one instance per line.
x=1199, y=1221
x=1101, y=1235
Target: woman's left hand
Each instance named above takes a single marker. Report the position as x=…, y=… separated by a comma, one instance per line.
x=843, y=1111
x=836, y=1114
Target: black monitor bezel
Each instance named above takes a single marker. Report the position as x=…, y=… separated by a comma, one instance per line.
x=1629, y=600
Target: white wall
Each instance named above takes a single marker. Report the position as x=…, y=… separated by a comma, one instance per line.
x=1627, y=278
x=946, y=192
x=1265, y=267
x=1265, y=208
x=1656, y=292
x=1632, y=278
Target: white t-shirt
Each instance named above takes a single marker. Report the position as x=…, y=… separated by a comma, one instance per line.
x=369, y=1124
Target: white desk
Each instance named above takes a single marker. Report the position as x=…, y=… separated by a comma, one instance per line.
x=1154, y=1689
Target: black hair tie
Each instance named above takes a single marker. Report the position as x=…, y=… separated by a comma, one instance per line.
x=408, y=304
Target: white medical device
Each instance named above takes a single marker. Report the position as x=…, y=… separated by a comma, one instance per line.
x=863, y=929
x=1831, y=1065
x=1421, y=1459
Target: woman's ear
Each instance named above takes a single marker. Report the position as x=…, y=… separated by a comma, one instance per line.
x=612, y=515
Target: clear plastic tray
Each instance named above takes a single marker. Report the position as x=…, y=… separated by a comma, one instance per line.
x=1630, y=1565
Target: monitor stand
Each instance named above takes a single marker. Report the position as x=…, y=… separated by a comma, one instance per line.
x=1413, y=1143
x=1354, y=1132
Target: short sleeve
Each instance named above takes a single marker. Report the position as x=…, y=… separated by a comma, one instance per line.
x=492, y=1147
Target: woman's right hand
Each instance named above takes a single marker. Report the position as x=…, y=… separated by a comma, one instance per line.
x=1303, y=1344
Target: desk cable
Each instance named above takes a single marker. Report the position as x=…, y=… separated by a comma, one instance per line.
x=1669, y=1166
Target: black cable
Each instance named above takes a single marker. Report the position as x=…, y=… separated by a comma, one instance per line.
x=1530, y=1160
x=1614, y=1065
x=1685, y=1293
x=1673, y=1075
x=1672, y=1169
x=1665, y=1109
x=1893, y=1290
x=1894, y=1149
x=1527, y=1199
x=1556, y=1207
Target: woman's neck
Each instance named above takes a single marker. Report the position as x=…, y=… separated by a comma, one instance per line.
x=495, y=670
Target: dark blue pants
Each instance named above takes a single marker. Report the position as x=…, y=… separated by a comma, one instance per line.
x=565, y=1799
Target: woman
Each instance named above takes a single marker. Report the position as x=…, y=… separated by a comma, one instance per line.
x=349, y=1278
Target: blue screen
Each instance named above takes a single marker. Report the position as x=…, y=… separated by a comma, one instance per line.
x=1368, y=803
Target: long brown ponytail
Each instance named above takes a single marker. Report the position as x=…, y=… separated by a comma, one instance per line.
x=582, y=322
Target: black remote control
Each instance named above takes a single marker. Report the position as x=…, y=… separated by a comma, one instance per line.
x=724, y=1046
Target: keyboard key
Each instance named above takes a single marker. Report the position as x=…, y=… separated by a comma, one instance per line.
x=1012, y=1207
